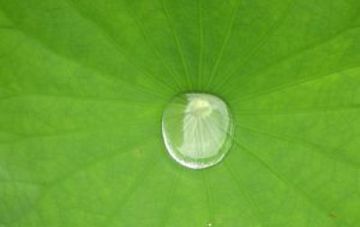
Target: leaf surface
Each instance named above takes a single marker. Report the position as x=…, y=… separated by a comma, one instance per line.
x=83, y=85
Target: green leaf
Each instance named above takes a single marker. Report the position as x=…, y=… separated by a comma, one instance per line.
x=83, y=85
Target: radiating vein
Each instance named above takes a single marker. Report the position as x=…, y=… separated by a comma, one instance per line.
x=314, y=147
x=289, y=184
x=201, y=45
x=171, y=72
x=283, y=86
x=254, y=208
x=209, y=198
x=177, y=42
x=106, y=76
x=299, y=111
x=290, y=56
x=263, y=40
x=48, y=186
x=170, y=200
x=117, y=46
x=284, y=180
x=139, y=180
x=223, y=45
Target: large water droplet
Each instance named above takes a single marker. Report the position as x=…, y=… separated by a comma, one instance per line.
x=197, y=129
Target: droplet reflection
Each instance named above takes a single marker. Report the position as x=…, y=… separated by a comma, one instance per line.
x=197, y=129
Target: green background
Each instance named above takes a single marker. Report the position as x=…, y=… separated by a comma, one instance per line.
x=83, y=85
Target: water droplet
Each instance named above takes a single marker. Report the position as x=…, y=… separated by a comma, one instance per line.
x=197, y=129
